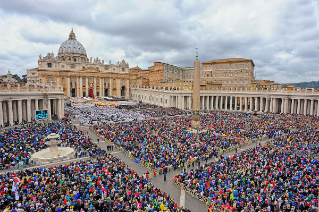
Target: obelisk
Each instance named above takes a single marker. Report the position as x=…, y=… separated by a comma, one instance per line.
x=196, y=94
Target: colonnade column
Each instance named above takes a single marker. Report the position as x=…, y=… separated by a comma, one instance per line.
x=298, y=107
x=29, y=110
x=59, y=109
x=282, y=105
x=305, y=106
x=226, y=102
x=292, y=109
x=318, y=107
x=14, y=106
x=267, y=105
x=286, y=105
x=251, y=105
x=221, y=103
x=10, y=113
x=78, y=93
x=20, y=111
x=246, y=103
x=256, y=104
x=231, y=103
x=1, y=115
x=261, y=106
x=189, y=102
x=212, y=103
x=235, y=106
x=311, y=107
x=49, y=109
x=216, y=103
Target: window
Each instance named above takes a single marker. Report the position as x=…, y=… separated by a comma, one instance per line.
x=123, y=81
x=122, y=69
x=91, y=80
x=105, y=80
x=50, y=79
x=246, y=81
x=83, y=81
x=97, y=81
x=33, y=73
x=83, y=67
x=49, y=65
x=74, y=59
x=72, y=79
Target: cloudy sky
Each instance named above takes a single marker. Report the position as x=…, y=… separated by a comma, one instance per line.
x=281, y=36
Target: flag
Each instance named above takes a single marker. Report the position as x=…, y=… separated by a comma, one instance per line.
x=104, y=191
x=15, y=185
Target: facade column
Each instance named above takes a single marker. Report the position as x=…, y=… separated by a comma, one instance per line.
x=246, y=103
x=68, y=86
x=231, y=103
x=305, y=106
x=311, y=107
x=78, y=93
x=226, y=102
x=298, y=107
x=20, y=111
x=292, y=110
x=235, y=105
x=101, y=87
x=1, y=114
x=189, y=102
x=318, y=107
x=81, y=87
x=86, y=86
x=111, y=87
x=94, y=86
x=10, y=113
x=29, y=110
x=256, y=104
x=241, y=103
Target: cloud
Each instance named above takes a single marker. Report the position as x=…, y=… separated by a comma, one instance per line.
x=282, y=43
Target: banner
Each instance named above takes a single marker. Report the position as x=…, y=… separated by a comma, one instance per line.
x=106, y=85
x=73, y=84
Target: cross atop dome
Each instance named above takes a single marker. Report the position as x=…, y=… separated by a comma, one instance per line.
x=72, y=35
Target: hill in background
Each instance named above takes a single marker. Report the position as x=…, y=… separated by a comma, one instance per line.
x=312, y=84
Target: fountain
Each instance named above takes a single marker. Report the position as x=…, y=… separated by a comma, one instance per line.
x=53, y=153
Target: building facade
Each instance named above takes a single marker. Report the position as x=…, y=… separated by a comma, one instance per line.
x=79, y=75
x=233, y=73
x=18, y=104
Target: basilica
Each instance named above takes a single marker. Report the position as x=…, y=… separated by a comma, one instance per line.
x=79, y=75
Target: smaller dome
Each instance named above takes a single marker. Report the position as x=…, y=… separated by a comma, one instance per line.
x=72, y=46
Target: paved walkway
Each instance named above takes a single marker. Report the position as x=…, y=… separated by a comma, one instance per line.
x=167, y=186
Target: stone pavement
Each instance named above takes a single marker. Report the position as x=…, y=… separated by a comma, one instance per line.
x=167, y=186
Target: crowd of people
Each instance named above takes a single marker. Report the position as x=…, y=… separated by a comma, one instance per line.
x=17, y=144
x=101, y=184
x=93, y=114
x=167, y=141
x=281, y=175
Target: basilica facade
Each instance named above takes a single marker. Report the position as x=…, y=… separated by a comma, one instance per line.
x=79, y=75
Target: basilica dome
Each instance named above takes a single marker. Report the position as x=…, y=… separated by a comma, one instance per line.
x=72, y=46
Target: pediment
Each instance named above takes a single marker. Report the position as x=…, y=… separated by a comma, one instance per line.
x=91, y=70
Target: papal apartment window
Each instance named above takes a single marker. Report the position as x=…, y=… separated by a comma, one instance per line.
x=105, y=80
x=49, y=65
x=72, y=79
x=50, y=79
x=91, y=80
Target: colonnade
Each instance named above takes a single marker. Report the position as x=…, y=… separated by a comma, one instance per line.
x=12, y=110
x=277, y=102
